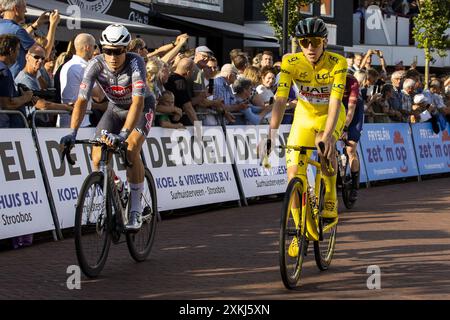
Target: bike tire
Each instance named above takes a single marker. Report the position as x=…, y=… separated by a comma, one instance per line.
x=140, y=243
x=291, y=267
x=324, y=249
x=92, y=261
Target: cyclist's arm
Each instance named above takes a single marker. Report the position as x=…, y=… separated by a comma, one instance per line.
x=352, y=100
x=84, y=95
x=281, y=97
x=334, y=107
x=78, y=113
x=138, y=94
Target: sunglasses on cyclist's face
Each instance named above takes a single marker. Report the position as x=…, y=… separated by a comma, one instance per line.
x=113, y=52
x=314, y=41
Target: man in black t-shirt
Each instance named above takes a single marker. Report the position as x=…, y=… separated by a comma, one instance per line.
x=177, y=84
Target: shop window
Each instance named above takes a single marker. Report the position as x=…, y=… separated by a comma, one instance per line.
x=327, y=8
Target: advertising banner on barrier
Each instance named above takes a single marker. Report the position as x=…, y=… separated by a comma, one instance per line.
x=432, y=150
x=388, y=151
x=257, y=180
x=66, y=180
x=24, y=207
x=191, y=167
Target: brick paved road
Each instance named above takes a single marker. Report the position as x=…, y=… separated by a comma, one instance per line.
x=232, y=254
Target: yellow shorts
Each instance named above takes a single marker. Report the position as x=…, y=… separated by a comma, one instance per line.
x=305, y=127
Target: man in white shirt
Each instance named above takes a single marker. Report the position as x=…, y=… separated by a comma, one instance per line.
x=72, y=75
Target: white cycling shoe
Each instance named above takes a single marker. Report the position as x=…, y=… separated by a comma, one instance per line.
x=135, y=222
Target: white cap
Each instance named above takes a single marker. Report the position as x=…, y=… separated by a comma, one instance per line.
x=421, y=98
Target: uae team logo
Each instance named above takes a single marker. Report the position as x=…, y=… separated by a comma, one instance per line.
x=101, y=6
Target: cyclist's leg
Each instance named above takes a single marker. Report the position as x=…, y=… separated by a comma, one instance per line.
x=330, y=198
x=110, y=122
x=354, y=134
x=301, y=135
x=136, y=173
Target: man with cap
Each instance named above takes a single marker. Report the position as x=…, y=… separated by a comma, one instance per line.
x=197, y=85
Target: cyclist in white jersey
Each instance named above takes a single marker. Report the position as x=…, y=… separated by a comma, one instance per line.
x=129, y=116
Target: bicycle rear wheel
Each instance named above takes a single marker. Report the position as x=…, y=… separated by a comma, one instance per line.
x=292, y=229
x=324, y=249
x=140, y=243
x=92, y=226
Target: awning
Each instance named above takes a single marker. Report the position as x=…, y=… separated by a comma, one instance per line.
x=224, y=26
x=260, y=44
x=94, y=23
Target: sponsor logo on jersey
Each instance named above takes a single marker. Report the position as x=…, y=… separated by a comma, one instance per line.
x=293, y=59
x=285, y=71
x=340, y=71
x=139, y=84
x=334, y=59
x=119, y=91
x=303, y=75
x=323, y=76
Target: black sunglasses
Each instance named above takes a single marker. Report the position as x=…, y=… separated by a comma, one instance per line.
x=37, y=57
x=113, y=52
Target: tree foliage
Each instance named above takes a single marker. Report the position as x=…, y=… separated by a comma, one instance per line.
x=273, y=10
x=430, y=26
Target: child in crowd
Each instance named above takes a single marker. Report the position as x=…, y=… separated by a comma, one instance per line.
x=166, y=106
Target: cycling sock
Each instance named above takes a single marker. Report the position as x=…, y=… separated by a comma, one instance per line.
x=330, y=188
x=135, y=196
x=296, y=215
x=355, y=180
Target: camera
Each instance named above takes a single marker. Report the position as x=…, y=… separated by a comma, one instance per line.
x=47, y=94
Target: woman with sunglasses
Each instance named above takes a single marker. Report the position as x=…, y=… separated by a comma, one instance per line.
x=129, y=116
x=320, y=77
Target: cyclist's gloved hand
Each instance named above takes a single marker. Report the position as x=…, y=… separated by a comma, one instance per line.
x=116, y=139
x=69, y=140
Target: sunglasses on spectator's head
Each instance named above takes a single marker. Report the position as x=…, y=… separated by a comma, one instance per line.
x=37, y=57
x=314, y=41
x=113, y=52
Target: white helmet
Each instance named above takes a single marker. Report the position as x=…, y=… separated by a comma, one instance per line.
x=115, y=35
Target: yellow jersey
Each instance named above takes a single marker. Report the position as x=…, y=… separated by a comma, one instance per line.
x=314, y=85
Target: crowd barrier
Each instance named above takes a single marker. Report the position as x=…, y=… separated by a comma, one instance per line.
x=197, y=166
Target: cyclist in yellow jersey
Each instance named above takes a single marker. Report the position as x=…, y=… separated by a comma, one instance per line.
x=320, y=78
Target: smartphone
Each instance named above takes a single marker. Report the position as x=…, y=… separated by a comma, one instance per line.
x=414, y=60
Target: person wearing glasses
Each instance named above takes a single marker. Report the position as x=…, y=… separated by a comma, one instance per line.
x=35, y=59
x=320, y=77
x=129, y=117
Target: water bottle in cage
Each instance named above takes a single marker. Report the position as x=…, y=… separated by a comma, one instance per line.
x=122, y=188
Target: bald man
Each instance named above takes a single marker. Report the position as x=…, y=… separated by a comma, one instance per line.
x=72, y=75
x=177, y=83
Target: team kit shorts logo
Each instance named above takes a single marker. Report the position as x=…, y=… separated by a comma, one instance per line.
x=101, y=6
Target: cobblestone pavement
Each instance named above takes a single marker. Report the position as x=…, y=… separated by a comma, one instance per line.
x=404, y=229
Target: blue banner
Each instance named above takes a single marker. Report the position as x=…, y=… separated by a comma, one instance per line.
x=432, y=150
x=388, y=151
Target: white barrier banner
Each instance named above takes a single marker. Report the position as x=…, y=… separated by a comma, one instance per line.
x=257, y=180
x=190, y=167
x=24, y=207
x=66, y=180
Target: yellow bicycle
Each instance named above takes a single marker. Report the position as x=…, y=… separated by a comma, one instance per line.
x=301, y=221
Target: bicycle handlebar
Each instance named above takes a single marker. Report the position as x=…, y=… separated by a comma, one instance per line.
x=121, y=150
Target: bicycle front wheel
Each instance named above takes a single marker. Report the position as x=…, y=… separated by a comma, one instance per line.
x=324, y=248
x=140, y=243
x=293, y=242
x=92, y=225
